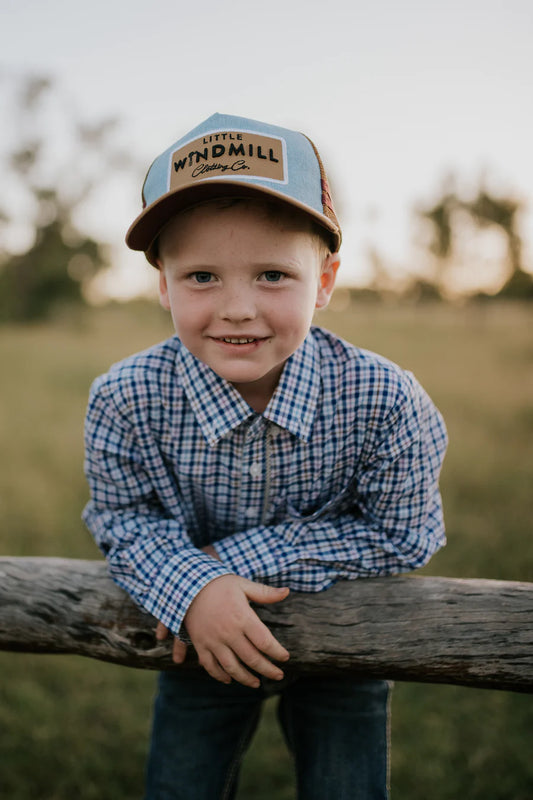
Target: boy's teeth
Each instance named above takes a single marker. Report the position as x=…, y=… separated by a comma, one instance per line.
x=237, y=341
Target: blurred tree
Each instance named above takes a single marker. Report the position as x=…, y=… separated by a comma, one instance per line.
x=52, y=176
x=50, y=273
x=504, y=213
x=449, y=213
x=439, y=219
x=440, y=216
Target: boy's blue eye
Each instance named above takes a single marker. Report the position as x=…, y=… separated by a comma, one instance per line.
x=273, y=275
x=202, y=277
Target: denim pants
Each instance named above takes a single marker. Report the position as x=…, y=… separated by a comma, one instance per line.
x=335, y=728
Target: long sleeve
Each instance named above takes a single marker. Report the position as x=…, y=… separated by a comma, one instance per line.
x=148, y=549
x=391, y=519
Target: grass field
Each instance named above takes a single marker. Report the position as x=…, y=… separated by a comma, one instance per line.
x=71, y=727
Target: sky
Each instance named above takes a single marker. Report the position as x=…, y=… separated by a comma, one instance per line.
x=395, y=95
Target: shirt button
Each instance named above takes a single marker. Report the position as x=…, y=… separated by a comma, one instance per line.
x=255, y=470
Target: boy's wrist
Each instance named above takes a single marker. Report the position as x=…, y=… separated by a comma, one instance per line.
x=176, y=585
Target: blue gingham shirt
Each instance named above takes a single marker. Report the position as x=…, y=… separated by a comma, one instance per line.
x=336, y=479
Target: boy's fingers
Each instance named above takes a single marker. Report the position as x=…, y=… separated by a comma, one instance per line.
x=213, y=668
x=179, y=648
x=161, y=632
x=179, y=651
x=264, y=640
x=230, y=665
x=252, y=658
x=261, y=593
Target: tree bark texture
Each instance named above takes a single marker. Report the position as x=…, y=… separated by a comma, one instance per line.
x=424, y=629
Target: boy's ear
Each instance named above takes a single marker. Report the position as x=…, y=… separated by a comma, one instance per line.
x=163, y=288
x=326, y=284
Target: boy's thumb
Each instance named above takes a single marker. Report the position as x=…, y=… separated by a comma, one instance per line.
x=261, y=593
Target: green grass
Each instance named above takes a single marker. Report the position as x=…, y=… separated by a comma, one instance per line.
x=71, y=727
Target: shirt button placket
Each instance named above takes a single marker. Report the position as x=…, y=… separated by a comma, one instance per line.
x=250, y=496
x=256, y=470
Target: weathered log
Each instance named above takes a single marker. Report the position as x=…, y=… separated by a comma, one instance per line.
x=436, y=630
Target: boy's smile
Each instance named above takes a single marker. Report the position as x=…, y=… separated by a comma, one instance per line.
x=242, y=285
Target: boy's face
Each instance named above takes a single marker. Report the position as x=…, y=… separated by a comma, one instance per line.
x=242, y=286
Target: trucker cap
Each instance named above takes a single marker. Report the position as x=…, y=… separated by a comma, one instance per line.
x=227, y=156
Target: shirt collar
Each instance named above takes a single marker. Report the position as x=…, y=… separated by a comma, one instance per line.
x=219, y=408
x=216, y=404
x=293, y=404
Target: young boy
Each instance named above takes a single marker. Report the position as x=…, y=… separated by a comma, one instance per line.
x=252, y=454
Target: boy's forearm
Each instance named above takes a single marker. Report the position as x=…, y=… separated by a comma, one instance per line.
x=161, y=570
x=311, y=556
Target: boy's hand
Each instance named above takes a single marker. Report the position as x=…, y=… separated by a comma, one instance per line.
x=179, y=648
x=229, y=636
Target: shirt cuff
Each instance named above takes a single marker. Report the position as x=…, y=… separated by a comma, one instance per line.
x=177, y=584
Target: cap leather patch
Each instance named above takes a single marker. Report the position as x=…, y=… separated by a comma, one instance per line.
x=229, y=154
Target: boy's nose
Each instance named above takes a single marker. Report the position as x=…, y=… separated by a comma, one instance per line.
x=238, y=305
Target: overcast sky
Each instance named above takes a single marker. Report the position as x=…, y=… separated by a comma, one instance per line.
x=395, y=95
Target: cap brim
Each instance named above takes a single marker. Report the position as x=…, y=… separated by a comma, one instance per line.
x=148, y=225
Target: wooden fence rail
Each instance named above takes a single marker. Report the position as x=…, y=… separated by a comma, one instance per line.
x=436, y=630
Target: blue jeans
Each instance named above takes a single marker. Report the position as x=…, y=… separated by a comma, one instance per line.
x=336, y=729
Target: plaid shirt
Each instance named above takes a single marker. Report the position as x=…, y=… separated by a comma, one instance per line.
x=337, y=479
